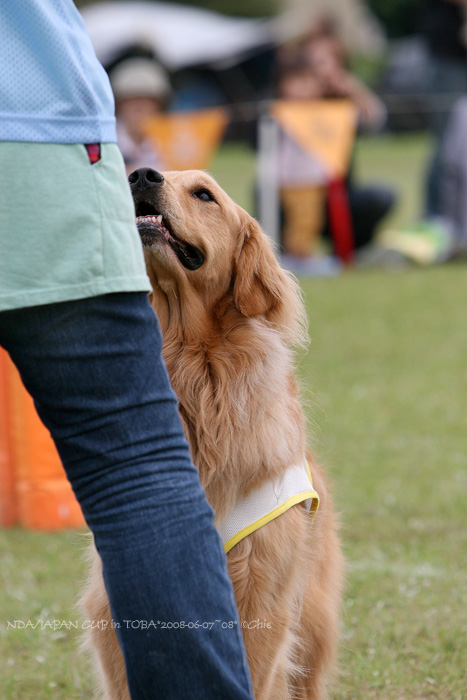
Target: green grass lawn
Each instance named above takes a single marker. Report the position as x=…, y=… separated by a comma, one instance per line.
x=385, y=380
x=387, y=372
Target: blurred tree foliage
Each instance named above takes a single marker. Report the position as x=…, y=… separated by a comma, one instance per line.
x=240, y=8
x=398, y=17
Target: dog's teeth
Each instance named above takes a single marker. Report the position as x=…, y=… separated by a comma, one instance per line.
x=151, y=219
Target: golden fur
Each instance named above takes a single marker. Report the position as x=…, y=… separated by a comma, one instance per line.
x=229, y=328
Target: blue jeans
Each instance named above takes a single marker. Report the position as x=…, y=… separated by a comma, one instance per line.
x=95, y=371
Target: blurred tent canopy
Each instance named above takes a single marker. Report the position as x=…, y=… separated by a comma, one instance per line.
x=182, y=36
x=179, y=35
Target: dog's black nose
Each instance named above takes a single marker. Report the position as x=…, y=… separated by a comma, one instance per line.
x=142, y=178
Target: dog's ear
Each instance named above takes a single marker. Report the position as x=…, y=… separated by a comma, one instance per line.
x=262, y=288
x=256, y=277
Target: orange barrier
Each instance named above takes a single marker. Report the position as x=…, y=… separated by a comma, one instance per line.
x=8, y=500
x=34, y=490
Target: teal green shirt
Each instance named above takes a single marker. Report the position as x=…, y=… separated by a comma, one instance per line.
x=67, y=228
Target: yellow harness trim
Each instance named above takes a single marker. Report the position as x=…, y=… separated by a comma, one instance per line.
x=267, y=502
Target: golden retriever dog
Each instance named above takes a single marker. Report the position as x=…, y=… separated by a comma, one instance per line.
x=230, y=318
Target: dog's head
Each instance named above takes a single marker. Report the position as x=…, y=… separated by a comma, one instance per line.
x=203, y=250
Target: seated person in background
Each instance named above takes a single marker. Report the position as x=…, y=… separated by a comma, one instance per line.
x=141, y=89
x=442, y=23
x=316, y=70
x=440, y=237
x=453, y=191
x=301, y=178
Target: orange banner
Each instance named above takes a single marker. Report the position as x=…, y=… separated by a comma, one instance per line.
x=325, y=129
x=187, y=140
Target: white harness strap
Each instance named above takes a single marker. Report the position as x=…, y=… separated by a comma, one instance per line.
x=268, y=502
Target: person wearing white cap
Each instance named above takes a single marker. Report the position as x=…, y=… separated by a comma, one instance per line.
x=142, y=90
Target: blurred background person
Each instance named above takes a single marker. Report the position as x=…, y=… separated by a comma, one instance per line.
x=301, y=178
x=453, y=189
x=442, y=23
x=323, y=50
x=317, y=68
x=439, y=235
x=142, y=90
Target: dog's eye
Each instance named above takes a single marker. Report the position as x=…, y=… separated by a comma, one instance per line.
x=204, y=195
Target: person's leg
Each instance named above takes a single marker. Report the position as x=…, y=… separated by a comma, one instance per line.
x=448, y=81
x=95, y=371
x=368, y=205
x=453, y=156
x=303, y=209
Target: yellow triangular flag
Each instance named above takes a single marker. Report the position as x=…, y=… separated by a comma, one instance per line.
x=187, y=140
x=323, y=128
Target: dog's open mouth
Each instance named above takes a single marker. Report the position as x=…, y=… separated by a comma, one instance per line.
x=152, y=227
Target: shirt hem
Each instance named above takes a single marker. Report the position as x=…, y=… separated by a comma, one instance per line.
x=36, y=128
x=12, y=302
